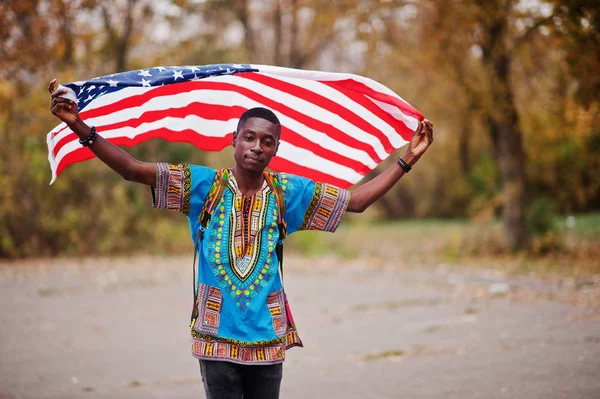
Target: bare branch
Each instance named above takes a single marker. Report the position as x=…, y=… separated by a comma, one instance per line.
x=316, y=50
x=532, y=29
x=244, y=16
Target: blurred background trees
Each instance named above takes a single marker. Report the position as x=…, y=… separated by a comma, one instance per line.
x=512, y=86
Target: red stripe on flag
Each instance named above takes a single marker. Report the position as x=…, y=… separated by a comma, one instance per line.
x=362, y=88
x=323, y=102
x=360, y=98
x=298, y=140
x=309, y=121
x=132, y=101
x=186, y=136
x=279, y=164
x=138, y=99
x=222, y=113
x=206, y=111
x=80, y=154
x=284, y=165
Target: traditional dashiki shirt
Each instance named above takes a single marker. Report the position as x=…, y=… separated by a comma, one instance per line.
x=243, y=315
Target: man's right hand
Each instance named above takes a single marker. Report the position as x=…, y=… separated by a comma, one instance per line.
x=117, y=159
x=61, y=107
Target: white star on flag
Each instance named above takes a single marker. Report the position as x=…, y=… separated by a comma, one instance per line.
x=178, y=74
x=145, y=83
x=144, y=72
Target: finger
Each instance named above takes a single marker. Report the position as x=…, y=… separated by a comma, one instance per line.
x=51, y=85
x=60, y=108
x=419, y=127
x=58, y=100
x=427, y=127
x=59, y=92
x=430, y=134
x=65, y=105
x=57, y=109
x=62, y=104
x=424, y=126
x=427, y=124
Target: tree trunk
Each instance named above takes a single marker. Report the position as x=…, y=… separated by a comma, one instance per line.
x=243, y=14
x=118, y=44
x=66, y=32
x=506, y=134
x=123, y=44
x=294, y=57
x=277, y=55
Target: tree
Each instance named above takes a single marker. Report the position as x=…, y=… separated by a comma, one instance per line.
x=121, y=21
x=503, y=118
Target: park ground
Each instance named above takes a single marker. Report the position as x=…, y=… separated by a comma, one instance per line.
x=405, y=325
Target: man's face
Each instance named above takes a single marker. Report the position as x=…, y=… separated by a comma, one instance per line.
x=255, y=143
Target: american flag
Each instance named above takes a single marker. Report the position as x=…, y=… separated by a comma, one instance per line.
x=335, y=127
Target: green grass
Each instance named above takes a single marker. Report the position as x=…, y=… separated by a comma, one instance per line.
x=376, y=239
x=431, y=241
x=586, y=226
x=575, y=244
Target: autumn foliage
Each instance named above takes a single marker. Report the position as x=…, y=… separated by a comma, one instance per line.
x=512, y=87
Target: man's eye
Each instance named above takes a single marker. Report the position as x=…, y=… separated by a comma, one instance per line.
x=248, y=138
x=268, y=143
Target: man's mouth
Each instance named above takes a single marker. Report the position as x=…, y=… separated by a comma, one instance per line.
x=254, y=160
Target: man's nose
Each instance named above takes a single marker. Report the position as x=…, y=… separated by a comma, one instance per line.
x=256, y=147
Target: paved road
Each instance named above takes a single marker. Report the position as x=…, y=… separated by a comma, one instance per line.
x=116, y=328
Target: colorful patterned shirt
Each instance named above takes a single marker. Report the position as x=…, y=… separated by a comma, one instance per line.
x=243, y=314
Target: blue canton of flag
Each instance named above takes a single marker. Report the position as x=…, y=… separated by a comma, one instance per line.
x=86, y=91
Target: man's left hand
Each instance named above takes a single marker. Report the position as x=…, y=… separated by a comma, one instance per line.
x=420, y=142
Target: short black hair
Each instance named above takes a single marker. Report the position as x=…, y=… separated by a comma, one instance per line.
x=260, y=112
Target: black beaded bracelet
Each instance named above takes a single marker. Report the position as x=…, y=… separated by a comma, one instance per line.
x=89, y=140
x=405, y=167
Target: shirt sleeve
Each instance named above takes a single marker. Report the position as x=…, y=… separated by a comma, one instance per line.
x=181, y=187
x=312, y=205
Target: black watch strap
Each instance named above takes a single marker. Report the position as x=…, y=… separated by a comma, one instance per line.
x=405, y=167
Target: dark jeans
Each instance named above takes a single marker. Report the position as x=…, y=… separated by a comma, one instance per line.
x=226, y=380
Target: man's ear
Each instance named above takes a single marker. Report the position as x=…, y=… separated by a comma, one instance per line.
x=235, y=134
x=276, y=148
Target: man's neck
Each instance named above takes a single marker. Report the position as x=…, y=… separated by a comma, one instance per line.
x=248, y=182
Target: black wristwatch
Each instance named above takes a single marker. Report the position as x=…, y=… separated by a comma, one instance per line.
x=405, y=167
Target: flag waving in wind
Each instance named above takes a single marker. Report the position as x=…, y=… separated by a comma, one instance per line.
x=335, y=127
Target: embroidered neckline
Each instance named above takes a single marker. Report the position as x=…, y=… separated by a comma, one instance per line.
x=233, y=185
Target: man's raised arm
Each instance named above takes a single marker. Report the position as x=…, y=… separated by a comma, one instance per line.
x=117, y=159
x=365, y=195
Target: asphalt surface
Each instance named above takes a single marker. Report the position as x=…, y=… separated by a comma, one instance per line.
x=117, y=328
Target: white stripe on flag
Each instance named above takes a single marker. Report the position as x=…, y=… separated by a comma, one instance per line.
x=214, y=97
